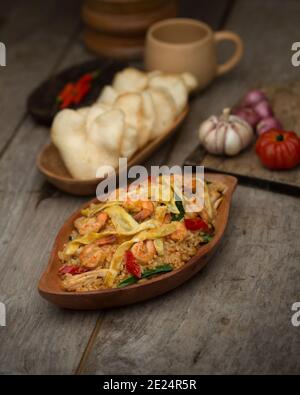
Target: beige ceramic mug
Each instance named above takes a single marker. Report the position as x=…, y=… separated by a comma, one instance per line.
x=178, y=45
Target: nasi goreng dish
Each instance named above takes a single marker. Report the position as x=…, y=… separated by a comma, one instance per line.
x=120, y=242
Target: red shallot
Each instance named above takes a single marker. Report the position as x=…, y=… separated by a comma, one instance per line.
x=263, y=109
x=267, y=124
x=248, y=115
x=253, y=97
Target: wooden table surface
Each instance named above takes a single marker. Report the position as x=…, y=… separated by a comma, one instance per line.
x=235, y=316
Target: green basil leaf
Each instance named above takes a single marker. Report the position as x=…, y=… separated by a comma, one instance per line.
x=178, y=217
x=146, y=274
x=159, y=269
x=206, y=238
x=128, y=281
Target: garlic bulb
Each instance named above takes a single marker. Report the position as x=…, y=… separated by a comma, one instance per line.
x=227, y=134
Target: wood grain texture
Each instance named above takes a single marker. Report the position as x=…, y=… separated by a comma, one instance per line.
x=234, y=317
x=267, y=29
x=215, y=16
x=208, y=11
x=246, y=166
x=34, y=45
x=38, y=338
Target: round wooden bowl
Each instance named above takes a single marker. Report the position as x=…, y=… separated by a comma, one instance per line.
x=134, y=23
x=124, y=7
x=112, y=46
x=117, y=28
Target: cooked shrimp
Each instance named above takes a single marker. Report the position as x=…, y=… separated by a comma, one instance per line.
x=92, y=255
x=167, y=218
x=141, y=209
x=144, y=251
x=106, y=240
x=133, y=206
x=146, y=211
x=87, y=225
x=180, y=233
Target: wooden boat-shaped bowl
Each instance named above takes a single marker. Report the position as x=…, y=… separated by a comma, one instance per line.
x=50, y=283
x=50, y=163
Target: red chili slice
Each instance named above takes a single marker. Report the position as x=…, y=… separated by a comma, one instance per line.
x=81, y=92
x=66, y=102
x=131, y=265
x=85, y=78
x=66, y=91
x=75, y=92
x=71, y=269
x=196, y=224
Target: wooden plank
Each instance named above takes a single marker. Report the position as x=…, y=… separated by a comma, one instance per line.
x=35, y=353
x=263, y=64
x=234, y=317
x=34, y=45
x=247, y=166
x=206, y=11
x=38, y=337
x=48, y=340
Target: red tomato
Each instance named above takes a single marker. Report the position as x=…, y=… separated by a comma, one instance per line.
x=278, y=149
x=196, y=224
x=131, y=265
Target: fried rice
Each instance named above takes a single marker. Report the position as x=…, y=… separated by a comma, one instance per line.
x=120, y=243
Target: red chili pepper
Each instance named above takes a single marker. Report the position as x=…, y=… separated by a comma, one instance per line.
x=67, y=101
x=71, y=269
x=73, y=93
x=196, y=224
x=67, y=90
x=81, y=91
x=131, y=265
x=85, y=78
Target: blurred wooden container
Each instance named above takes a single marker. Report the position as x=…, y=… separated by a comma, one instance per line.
x=117, y=28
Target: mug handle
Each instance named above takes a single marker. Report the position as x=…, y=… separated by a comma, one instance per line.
x=238, y=53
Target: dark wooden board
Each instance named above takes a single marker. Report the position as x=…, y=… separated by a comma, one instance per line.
x=42, y=103
x=246, y=166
